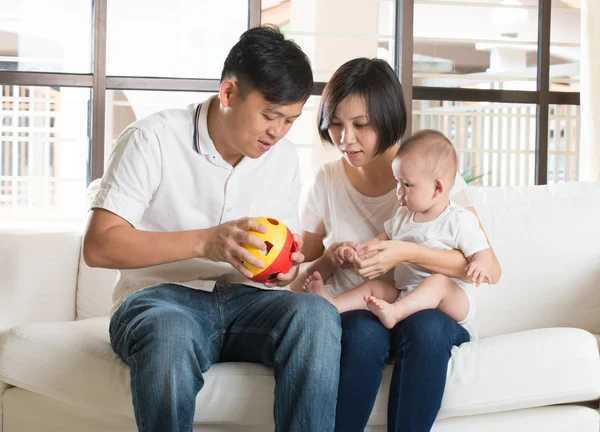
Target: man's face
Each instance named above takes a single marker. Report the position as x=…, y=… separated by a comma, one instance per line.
x=258, y=124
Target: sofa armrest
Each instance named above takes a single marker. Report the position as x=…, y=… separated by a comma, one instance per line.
x=38, y=277
x=3, y=388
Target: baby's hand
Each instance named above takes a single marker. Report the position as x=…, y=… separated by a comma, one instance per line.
x=478, y=274
x=344, y=255
x=336, y=254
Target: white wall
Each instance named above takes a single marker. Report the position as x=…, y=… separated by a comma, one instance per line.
x=589, y=169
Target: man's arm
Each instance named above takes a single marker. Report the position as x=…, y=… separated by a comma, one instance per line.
x=111, y=242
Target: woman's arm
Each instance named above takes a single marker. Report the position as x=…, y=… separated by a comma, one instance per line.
x=384, y=255
x=381, y=256
x=495, y=269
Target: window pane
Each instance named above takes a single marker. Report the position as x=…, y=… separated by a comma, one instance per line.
x=125, y=107
x=563, y=143
x=476, y=44
x=565, y=51
x=48, y=36
x=43, y=153
x=308, y=142
x=329, y=38
x=177, y=38
x=495, y=142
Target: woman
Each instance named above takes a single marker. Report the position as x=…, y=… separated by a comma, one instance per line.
x=362, y=113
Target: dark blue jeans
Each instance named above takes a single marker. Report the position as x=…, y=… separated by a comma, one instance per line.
x=170, y=335
x=421, y=346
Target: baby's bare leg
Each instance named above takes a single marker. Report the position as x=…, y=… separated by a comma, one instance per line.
x=435, y=292
x=355, y=298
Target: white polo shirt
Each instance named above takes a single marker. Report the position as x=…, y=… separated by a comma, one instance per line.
x=166, y=175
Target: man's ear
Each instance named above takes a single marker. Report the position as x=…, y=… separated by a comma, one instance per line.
x=439, y=187
x=227, y=91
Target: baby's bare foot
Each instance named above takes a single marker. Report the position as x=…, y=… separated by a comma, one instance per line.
x=384, y=311
x=314, y=284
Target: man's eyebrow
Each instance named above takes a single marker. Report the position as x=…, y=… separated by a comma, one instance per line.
x=275, y=111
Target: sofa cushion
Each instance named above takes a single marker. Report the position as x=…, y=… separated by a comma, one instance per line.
x=53, y=415
x=73, y=362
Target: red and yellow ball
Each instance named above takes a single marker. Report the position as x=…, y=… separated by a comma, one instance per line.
x=277, y=257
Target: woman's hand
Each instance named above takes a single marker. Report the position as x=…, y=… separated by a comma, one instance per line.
x=376, y=257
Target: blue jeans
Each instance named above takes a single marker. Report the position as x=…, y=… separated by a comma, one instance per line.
x=170, y=335
x=421, y=346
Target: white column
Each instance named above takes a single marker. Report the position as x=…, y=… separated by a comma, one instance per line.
x=589, y=157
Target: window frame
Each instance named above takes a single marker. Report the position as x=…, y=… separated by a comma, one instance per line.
x=99, y=82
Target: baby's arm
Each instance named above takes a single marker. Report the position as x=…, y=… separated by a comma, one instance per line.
x=479, y=267
x=472, y=242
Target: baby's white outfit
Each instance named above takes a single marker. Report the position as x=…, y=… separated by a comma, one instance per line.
x=455, y=228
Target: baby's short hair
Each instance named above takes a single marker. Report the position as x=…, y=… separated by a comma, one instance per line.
x=435, y=149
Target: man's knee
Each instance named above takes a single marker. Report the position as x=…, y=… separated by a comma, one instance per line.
x=166, y=334
x=314, y=311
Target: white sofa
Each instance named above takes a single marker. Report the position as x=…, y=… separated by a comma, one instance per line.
x=535, y=368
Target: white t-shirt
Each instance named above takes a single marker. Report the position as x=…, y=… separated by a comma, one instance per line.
x=331, y=206
x=166, y=175
x=455, y=228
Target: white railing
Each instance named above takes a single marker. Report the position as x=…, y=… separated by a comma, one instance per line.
x=495, y=143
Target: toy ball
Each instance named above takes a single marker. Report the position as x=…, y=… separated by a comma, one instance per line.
x=277, y=257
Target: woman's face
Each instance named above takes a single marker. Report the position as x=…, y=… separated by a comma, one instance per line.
x=352, y=132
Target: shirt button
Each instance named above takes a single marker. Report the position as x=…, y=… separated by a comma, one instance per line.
x=229, y=209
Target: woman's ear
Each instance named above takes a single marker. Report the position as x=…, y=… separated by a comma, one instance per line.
x=439, y=186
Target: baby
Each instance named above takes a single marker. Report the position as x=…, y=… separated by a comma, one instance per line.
x=425, y=168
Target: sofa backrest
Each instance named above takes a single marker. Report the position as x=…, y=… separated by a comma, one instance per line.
x=547, y=241
x=38, y=277
x=546, y=238
x=94, y=291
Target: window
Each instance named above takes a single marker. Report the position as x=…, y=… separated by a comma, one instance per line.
x=175, y=38
x=331, y=38
x=75, y=73
x=491, y=83
x=44, y=146
x=47, y=36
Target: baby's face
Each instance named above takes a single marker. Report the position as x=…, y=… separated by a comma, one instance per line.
x=415, y=183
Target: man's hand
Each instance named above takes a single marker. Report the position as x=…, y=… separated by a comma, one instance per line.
x=477, y=273
x=224, y=243
x=297, y=258
x=375, y=257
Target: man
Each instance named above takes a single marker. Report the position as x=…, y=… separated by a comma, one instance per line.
x=171, y=213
